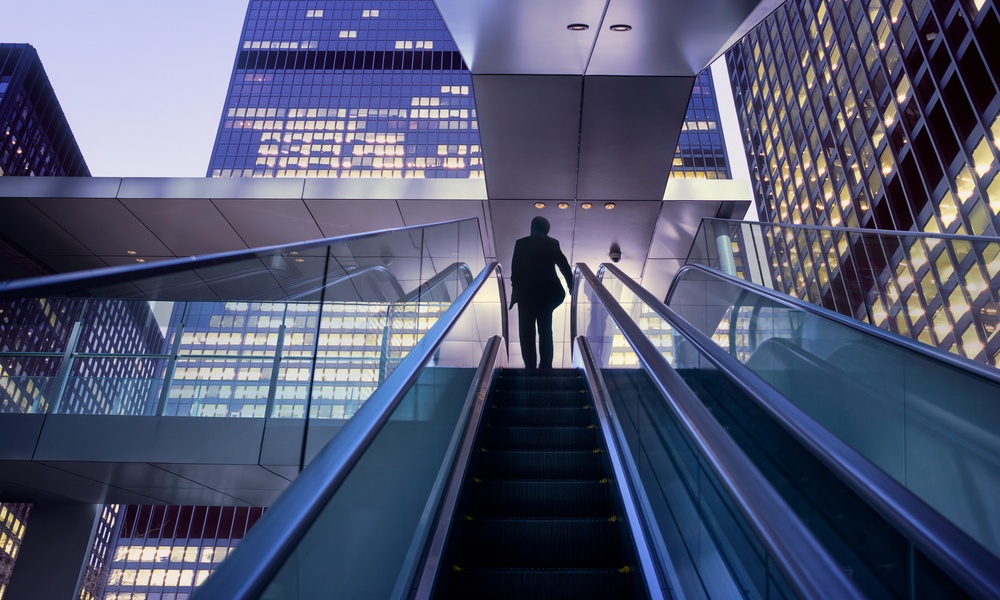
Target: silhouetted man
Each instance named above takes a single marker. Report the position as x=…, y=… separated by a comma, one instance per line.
x=536, y=289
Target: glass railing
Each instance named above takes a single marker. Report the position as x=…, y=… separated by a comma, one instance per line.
x=355, y=522
x=720, y=529
x=927, y=418
x=290, y=332
x=939, y=289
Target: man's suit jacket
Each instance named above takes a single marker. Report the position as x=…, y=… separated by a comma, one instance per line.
x=533, y=275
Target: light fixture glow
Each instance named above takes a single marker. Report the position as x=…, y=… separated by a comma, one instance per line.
x=563, y=205
x=539, y=205
x=621, y=27
x=586, y=206
x=578, y=27
x=609, y=205
x=140, y=260
x=131, y=252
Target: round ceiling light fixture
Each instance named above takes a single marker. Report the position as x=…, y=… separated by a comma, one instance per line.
x=563, y=205
x=586, y=206
x=578, y=27
x=621, y=27
x=539, y=205
x=609, y=205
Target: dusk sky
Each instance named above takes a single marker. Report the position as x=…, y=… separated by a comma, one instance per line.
x=142, y=82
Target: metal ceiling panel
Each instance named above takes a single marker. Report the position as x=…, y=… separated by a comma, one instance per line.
x=269, y=222
x=103, y=225
x=33, y=230
x=530, y=132
x=344, y=217
x=512, y=220
x=671, y=37
x=523, y=36
x=629, y=133
x=394, y=189
x=188, y=226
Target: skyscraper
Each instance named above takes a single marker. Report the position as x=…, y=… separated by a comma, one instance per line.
x=701, y=148
x=347, y=89
x=36, y=140
x=884, y=115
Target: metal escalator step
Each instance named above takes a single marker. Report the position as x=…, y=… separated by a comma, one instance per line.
x=541, y=584
x=540, y=417
x=539, y=543
x=540, y=398
x=540, y=464
x=535, y=438
x=539, y=499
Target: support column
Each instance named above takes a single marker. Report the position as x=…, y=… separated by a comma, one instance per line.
x=57, y=543
x=724, y=247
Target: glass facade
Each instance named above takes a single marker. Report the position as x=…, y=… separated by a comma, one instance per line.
x=36, y=139
x=880, y=115
x=701, y=148
x=347, y=88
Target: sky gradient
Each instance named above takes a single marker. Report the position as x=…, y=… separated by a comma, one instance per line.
x=142, y=82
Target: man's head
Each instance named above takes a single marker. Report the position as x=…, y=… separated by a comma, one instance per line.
x=540, y=225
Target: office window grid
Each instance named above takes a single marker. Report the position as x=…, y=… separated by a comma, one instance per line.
x=880, y=114
x=355, y=89
x=701, y=149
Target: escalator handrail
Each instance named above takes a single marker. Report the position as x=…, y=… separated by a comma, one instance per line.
x=963, y=558
x=653, y=563
x=425, y=287
x=70, y=282
x=249, y=570
x=960, y=363
x=808, y=568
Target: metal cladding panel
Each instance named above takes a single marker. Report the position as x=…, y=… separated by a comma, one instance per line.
x=629, y=224
x=344, y=217
x=103, y=225
x=268, y=222
x=523, y=36
x=190, y=227
x=207, y=188
x=530, y=131
x=629, y=133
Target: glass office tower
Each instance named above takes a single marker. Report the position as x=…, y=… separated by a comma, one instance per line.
x=701, y=147
x=880, y=114
x=347, y=88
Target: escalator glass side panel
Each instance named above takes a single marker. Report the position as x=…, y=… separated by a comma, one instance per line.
x=712, y=547
x=360, y=544
x=932, y=426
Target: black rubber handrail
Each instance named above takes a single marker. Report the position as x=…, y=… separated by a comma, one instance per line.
x=258, y=558
x=952, y=360
x=964, y=559
x=806, y=565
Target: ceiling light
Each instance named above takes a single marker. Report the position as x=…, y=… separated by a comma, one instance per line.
x=131, y=252
x=586, y=206
x=621, y=27
x=609, y=205
x=539, y=205
x=300, y=260
x=140, y=260
x=563, y=205
x=578, y=27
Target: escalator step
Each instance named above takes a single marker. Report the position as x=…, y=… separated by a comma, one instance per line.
x=539, y=543
x=539, y=498
x=533, y=464
x=541, y=584
x=540, y=398
x=533, y=438
x=540, y=417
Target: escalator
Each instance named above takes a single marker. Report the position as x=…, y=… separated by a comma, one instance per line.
x=661, y=467
x=539, y=515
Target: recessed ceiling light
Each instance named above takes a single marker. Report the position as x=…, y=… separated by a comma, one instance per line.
x=586, y=206
x=140, y=260
x=563, y=205
x=131, y=252
x=609, y=205
x=539, y=205
x=578, y=27
x=300, y=260
x=621, y=27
